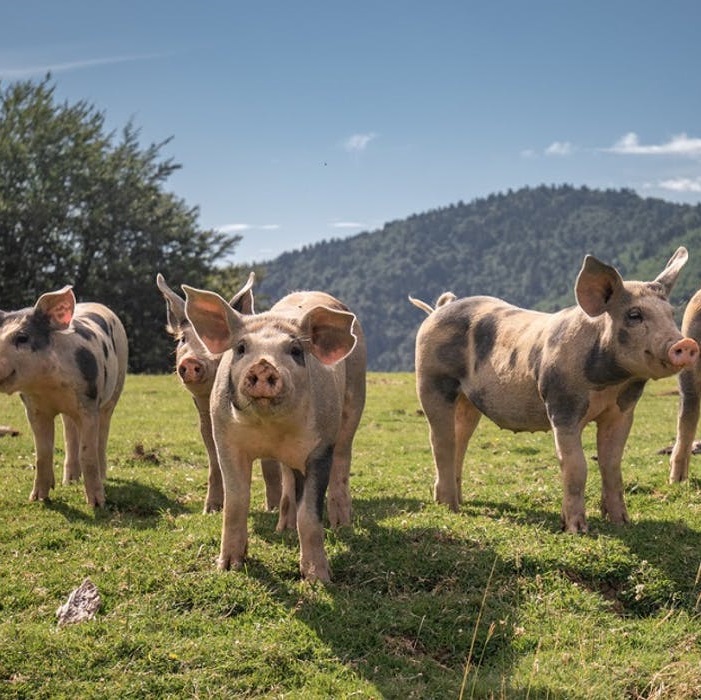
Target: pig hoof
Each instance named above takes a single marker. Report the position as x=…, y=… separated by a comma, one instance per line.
x=226, y=563
x=575, y=525
x=212, y=508
x=311, y=573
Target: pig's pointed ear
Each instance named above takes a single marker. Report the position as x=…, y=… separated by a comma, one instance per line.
x=668, y=276
x=595, y=285
x=211, y=317
x=242, y=301
x=330, y=333
x=58, y=307
x=175, y=305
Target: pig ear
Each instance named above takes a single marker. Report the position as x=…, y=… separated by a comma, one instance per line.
x=242, y=301
x=58, y=306
x=212, y=318
x=330, y=333
x=175, y=305
x=595, y=285
x=669, y=275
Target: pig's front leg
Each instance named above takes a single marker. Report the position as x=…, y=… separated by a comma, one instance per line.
x=287, y=517
x=573, y=466
x=313, y=563
x=611, y=435
x=89, y=430
x=236, y=473
x=273, y=483
x=71, y=439
x=687, y=421
x=215, y=489
x=43, y=430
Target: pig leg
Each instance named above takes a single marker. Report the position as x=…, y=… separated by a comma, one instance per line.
x=215, y=489
x=273, y=483
x=237, y=500
x=687, y=421
x=89, y=428
x=103, y=436
x=611, y=435
x=71, y=439
x=451, y=424
x=466, y=419
x=43, y=429
x=313, y=563
x=573, y=466
x=339, y=496
x=287, y=518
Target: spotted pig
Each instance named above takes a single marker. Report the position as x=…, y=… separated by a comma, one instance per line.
x=689, y=397
x=196, y=368
x=291, y=387
x=528, y=370
x=70, y=359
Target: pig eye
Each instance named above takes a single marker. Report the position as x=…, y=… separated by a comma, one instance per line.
x=240, y=349
x=297, y=353
x=21, y=339
x=634, y=315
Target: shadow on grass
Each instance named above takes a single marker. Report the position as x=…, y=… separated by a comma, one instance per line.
x=407, y=607
x=129, y=504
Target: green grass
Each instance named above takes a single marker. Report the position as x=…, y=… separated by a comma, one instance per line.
x=491, y=602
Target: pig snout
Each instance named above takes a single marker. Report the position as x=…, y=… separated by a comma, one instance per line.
x=190, y=370
x=262, y=381
x=683, y=353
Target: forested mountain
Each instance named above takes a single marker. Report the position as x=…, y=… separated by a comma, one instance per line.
x=525, y=246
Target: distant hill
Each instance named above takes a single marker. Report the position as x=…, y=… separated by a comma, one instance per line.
x=525, y=246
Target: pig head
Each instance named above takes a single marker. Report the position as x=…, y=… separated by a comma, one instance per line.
x=528, y=370
x=196, y=367
x=282, y=392
x=69, y=359
x=689, y=397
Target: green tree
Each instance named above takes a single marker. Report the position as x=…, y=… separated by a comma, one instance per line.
x=85, y=207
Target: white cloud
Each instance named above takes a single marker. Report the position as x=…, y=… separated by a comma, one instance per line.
x=559, y=148
x=269, y=227
x=347, y=224
x=233, y=228
x=679, y=145
x=358, y=142
x=681, y=184
x=41, y=70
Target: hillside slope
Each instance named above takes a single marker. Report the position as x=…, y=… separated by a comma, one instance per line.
x=525, y=246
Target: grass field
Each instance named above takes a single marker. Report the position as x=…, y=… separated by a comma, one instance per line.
x=490, y=602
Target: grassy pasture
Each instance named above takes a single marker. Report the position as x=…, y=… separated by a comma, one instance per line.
x=491, y=602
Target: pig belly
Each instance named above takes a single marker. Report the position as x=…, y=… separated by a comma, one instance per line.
x=510, y=407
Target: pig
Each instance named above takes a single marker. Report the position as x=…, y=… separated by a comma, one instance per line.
x=689, y=396
x=196, y=368
x=530, y=370
x=291, y=387
x=69, y=359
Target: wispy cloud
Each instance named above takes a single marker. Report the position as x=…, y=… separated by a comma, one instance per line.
x=347, y=224
x=559, y=148
x=358, y=142
x=238, y=228
x=679, y=145
x=681, y=184
x=20, y=72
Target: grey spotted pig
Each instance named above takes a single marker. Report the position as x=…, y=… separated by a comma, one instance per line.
x=69, y=359
x=689, y=397
x=196, y=367
x=290, y=386
x=528, y=370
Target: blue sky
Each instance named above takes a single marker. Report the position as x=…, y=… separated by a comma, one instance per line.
x=301, y=121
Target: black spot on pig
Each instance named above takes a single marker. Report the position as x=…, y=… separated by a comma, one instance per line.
x=601, y=367
x=630, y=395
x=565, y=408
x=448, y=387
x=485, y=336
x=87, y=364
x=82, y=330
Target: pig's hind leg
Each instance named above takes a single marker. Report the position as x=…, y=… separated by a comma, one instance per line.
x=687, y=421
